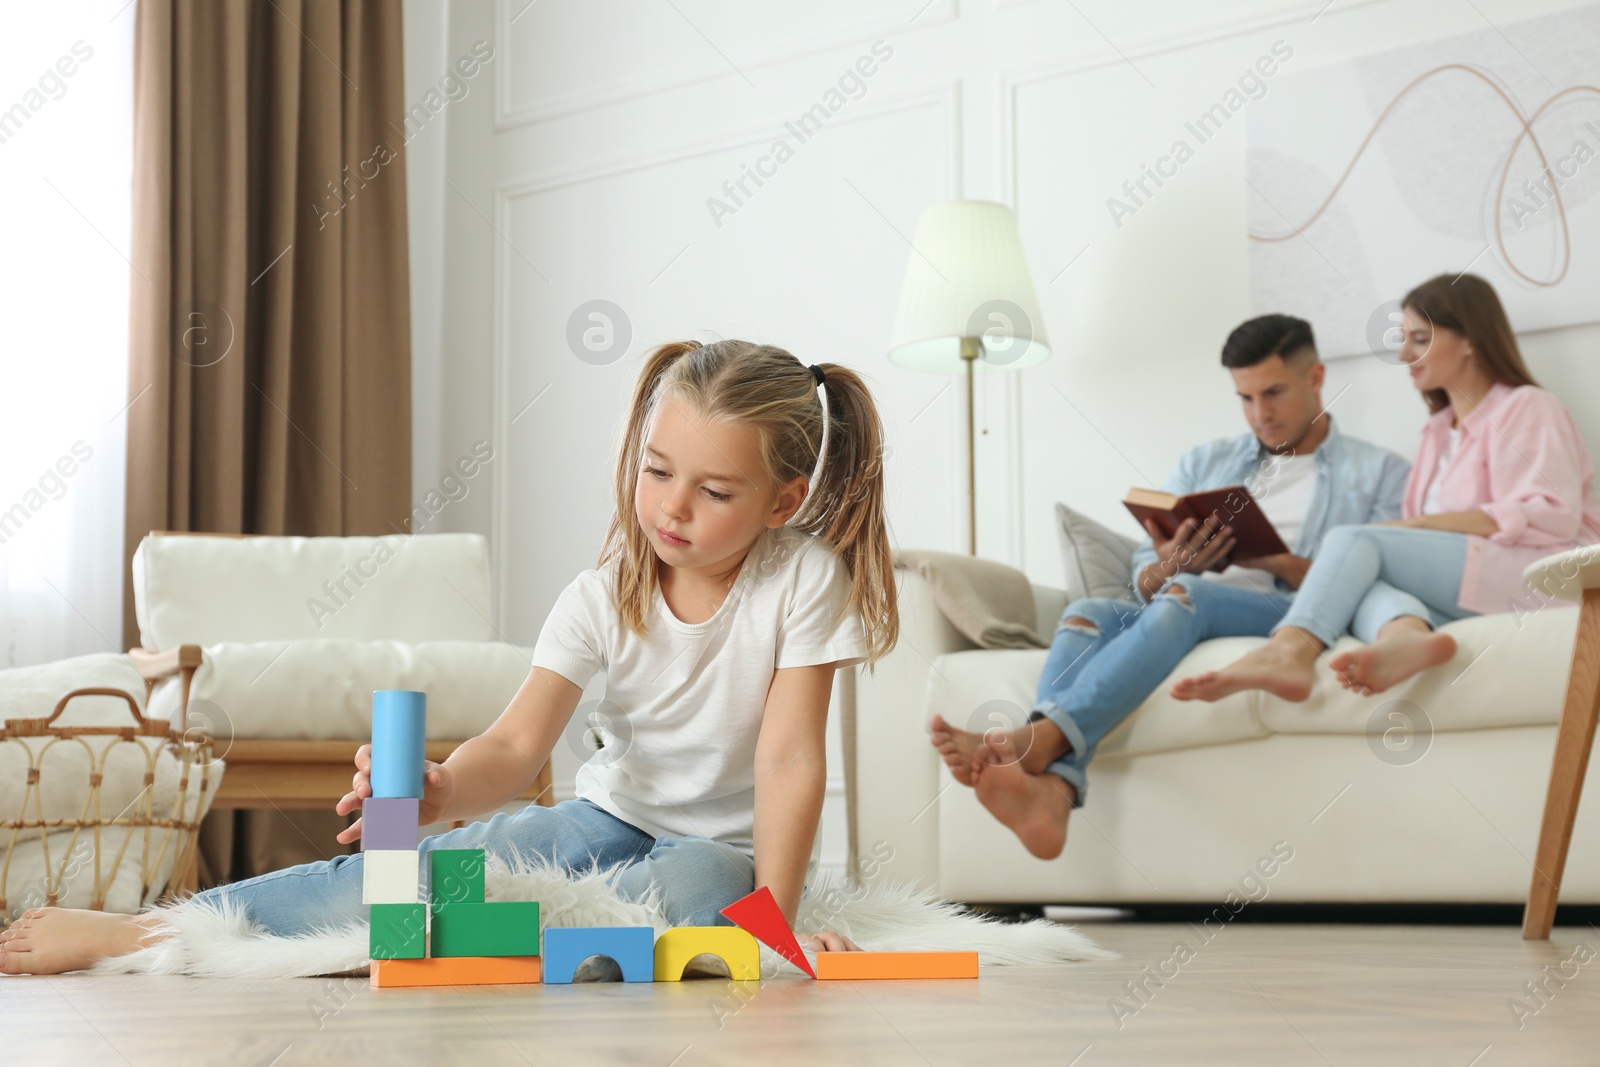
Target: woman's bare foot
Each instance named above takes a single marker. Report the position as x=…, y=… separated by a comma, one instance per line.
x=1281, y=667
x=1392, y=658
x=52, y=940
x=1035, y=807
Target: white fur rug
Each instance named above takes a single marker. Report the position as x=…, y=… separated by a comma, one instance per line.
x=220, y=942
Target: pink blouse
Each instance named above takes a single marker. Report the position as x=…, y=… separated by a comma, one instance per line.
x=1522, y=461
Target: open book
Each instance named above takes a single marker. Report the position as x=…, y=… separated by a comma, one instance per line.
x=1233, y=506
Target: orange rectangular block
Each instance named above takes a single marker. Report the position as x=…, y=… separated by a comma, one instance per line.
x=456, y=970
x=861, y=966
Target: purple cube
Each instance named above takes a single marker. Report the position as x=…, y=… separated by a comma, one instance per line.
x=389, y=823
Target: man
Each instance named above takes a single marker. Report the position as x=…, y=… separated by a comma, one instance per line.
x=1108, y=655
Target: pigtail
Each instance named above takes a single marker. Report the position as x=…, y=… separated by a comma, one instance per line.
x=846, y=506
x=634, y=585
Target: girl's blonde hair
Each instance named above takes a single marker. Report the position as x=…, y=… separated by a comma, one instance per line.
x=768, y=389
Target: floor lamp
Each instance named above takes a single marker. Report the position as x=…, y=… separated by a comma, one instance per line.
x=968, y=306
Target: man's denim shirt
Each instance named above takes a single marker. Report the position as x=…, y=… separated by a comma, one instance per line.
x=1357, y=482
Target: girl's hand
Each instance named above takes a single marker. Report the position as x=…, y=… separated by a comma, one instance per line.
x=827, y=941
x=438, y=788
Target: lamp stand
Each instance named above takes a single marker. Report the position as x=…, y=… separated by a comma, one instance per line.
x=971, y=348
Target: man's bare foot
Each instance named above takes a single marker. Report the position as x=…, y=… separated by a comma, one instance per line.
x=52, y=940
x=1035, y=807
x=1280, y=670
x=1035, y=745
x=1391, y=659
x=958, y=747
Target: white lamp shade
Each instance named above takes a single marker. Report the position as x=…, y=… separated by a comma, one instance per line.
x=967, y=278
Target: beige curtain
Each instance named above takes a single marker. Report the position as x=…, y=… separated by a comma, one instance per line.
x=270, y=371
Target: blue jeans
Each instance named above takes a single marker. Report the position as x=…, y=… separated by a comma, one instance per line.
x=1364, y=576
x=697, y=877
x=1096, y=675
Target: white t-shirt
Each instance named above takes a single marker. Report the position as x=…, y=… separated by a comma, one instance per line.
x=685, y=702
x=1430, y=501
x=1283, y=486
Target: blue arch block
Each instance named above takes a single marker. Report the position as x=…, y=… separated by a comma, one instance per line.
x=632, y=948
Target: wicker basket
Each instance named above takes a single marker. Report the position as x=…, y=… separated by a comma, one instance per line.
x=96, y=837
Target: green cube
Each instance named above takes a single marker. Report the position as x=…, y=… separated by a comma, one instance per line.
x=456, y=876
x=499, y=928
x=397, y=931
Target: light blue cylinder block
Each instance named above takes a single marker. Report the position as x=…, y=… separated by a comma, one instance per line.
x=399, y=726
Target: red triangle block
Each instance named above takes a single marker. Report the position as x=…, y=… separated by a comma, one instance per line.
x=760, y=916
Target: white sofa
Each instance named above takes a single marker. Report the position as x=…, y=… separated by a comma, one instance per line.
x=1185, y=798
x=297, y=632
x=274, y=645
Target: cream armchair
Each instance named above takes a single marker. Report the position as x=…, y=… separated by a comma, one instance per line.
x=274, y=646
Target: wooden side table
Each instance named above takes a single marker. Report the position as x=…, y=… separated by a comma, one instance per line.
x=1572, y=575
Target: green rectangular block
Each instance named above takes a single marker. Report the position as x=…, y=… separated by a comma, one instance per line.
x=456, y=876
x=498, y=928
x=397, y=931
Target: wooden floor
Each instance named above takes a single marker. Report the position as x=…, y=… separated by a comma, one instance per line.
x=1263, y=993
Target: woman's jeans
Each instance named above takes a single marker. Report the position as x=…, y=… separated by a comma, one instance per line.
x=697, y=877
x=1364, y=576
x=1107, y=656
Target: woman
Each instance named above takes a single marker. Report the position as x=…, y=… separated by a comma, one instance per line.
x=1502, y=478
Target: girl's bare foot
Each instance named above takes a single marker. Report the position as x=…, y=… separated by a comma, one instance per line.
x=1280, y=668
x=52, y=940
x=1035, y=807
x=1391, y=659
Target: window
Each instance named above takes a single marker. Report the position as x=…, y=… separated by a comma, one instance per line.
x=66, y=144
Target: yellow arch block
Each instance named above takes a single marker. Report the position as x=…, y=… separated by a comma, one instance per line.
x=733, y=946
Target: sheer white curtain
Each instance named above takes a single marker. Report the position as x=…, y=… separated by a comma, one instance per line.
x=66, y=147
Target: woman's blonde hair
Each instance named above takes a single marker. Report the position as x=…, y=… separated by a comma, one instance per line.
x=768, y=389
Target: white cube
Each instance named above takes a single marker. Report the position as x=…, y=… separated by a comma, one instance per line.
x=389, y=876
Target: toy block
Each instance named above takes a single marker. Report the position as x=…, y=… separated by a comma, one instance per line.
x=456, y=970
x=857, y=966
x=398, y=931
x=455, y=876
x=389, y=876
x=389, y=823
x=759, y=913
x=733, y=946
x=631, y=948
x=398, y=728
x=500, y=928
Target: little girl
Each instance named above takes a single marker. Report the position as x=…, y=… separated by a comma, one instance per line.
x=719, y=624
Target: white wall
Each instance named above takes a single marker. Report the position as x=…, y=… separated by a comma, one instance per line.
x=579, y=168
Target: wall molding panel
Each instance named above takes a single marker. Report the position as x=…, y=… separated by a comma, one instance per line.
x=509, y=115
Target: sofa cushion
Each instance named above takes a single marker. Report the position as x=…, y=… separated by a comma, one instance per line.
x=321, y=689
x=1509, y=670
x=205, y=589
x=1096, y=560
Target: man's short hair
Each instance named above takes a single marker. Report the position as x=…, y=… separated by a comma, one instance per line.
x=1262, y=338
